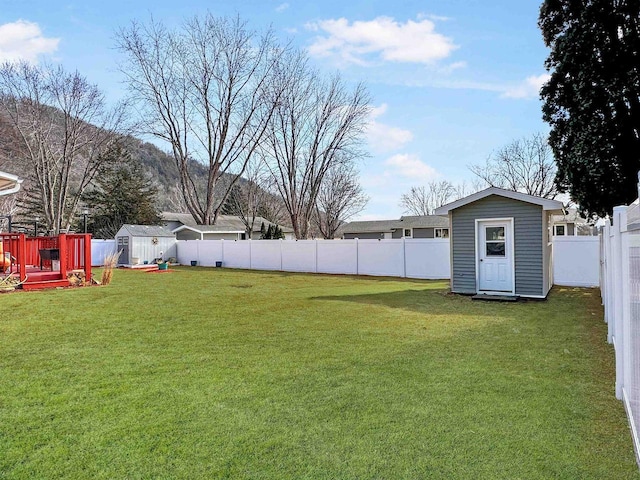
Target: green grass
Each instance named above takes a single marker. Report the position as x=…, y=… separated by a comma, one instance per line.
x=210, y=373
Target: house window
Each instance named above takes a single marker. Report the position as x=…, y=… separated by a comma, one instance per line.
x=441, y=233
x=407, y=232
x=560, y=230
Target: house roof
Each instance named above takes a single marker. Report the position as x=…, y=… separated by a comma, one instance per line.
x=387, y=226
x=184, y=218
x=147, y=230
x=571, y=215
x=9, y=183
x=229, y=223
x=545, y=203
x=209, y=229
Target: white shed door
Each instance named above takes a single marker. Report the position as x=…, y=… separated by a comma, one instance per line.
x=495, y=256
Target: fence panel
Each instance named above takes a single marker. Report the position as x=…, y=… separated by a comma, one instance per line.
x=209, y=253
x=100, y=249
x=188, y=251
x=265, y=255
x=620, y=290
x=428, y=258
x=379, y=258
x=415, y=258
x=299, y=256
x=576, y=261
x=338, y=256
x=237, y=254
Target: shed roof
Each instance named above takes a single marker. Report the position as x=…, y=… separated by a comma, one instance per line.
x=147, y=230
x=545, y=203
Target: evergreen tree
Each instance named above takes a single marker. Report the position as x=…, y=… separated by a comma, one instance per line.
x=123, y=194
x=592, y=100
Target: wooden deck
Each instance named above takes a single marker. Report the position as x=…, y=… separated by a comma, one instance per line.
x=40, y=279
x=35, y=272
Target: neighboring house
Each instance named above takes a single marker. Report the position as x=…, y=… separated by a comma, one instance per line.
x=424, y=226
x=500, y=243
x=9, y=183
x=140, y=243
x=227, y=227
x=570, y=223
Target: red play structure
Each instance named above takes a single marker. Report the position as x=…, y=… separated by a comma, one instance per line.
x=45, y=262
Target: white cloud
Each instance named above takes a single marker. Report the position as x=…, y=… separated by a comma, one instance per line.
x=452, y=67
x=410, y=42
x=382, y=137
x=282, y=7
x=22, y=40
x=410, y=166
x=529, y=88
x=437, y=18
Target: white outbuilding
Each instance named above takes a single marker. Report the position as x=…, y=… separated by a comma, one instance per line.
x=144, y=243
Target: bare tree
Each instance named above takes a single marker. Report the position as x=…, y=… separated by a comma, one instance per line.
x=62, y=130
x=248, y=197
x=317, y=125
x=340, y=197
x=204, y=89
x=424, y=200
x=525, y=165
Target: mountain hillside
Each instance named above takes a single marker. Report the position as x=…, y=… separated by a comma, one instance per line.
x=158, y=165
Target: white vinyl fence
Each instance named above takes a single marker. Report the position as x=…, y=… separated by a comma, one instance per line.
x=100, y=249
x=576, y=261
x=412, y=258
x=620, y=288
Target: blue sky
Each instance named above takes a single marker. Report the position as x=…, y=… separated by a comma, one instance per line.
x=451, y=81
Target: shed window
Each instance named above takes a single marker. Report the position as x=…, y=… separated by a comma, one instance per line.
x=407, y=232
x=495, y=242
x=559, y=230
x=441, y=233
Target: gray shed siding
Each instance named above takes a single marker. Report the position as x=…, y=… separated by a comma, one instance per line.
x=397, y=233
x=423, y=233
x=528, y=243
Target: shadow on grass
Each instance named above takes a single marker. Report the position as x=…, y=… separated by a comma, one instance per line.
x=432, y=301
x=282, y=274
x=440, y=301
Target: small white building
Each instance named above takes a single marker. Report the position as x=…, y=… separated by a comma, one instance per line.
x=140, y=243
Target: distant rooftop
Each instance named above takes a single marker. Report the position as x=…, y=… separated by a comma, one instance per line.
x=224, y=223
x=418, y=221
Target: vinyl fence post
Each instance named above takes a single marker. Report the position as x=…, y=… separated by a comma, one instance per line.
x=250, y=260
x=404, y=258
x=357, y=258
x=619, y=217
x=316, y=253
x=222, y=250
x=280, y=240
x=625, y=333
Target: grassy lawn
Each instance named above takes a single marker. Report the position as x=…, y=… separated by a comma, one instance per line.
x=213, y=373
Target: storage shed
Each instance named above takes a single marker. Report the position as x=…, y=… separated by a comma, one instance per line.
x=501, y=243
x=140, y=243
